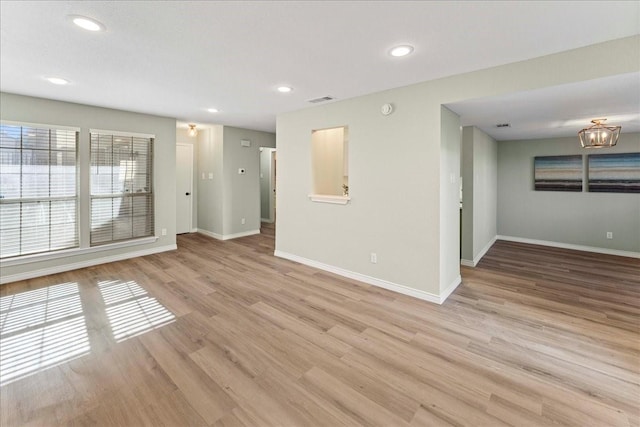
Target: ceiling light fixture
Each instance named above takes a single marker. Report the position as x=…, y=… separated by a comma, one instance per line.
x=399, y=51
x=599, y=135
x=284, y=89
x=87, y=23
x=212, y=110
x=57, y=81
x=192, y=130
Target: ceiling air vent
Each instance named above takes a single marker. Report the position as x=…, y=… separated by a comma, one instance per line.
x=321, y=99
x=503, y=125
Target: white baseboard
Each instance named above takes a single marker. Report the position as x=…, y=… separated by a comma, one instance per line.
x=449, y=289
x=270, y=221
x=210, y=233
x=476, y=260
x=401, y=289
x=83, y=264
x=571, y=246
x=228, y=236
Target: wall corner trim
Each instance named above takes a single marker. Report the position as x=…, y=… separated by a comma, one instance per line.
x=477, y=258
x=401, y=289
x=83, y=264
x=606, y=251
x=449, y=289
x=227, y=236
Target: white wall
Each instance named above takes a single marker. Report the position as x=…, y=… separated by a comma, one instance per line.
x=45, y=111
x=396, y=164
x=480, y=178
x=210, y=182
x=564, y=217
x=466, y=164
x=485, y=187
x=227, y=197
x=241, y=197
x=450, y=146
x=327, y=152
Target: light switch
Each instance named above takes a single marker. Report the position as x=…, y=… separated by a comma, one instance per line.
x=210, y=175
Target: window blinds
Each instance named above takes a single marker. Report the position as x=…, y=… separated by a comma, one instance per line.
x=38, y=189
x=121, y=188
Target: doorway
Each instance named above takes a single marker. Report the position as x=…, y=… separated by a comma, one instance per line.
x=267, y=184
x=184, y=188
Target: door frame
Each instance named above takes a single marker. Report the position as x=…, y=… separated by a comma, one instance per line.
x=272, y=186
x=190, y=150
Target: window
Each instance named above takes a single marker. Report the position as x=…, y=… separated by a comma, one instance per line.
x=38, y=189
x=121, y=187
x=330, y=165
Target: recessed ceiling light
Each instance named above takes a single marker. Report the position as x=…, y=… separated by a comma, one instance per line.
x=403, y=50
x=57, y=80
x=284, y=89
x=212, y=110
x=87, y=23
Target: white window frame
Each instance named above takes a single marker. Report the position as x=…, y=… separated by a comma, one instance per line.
x=17, y=258
x=82, y=223
x=151, y=192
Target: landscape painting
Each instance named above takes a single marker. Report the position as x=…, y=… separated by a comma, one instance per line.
x=614, y=173
x=558, y=173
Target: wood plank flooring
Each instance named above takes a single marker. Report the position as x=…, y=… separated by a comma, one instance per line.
x=224, y=334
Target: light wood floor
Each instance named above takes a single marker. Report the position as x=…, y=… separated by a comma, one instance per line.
x=224, y=334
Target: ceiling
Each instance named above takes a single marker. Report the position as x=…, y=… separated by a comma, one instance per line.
x=556, y=111
x=178, y=59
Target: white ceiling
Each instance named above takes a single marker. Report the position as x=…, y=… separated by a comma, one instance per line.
x=556, y=111
x=177, y=59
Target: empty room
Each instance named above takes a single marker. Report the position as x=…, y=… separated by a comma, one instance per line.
x=319, y=213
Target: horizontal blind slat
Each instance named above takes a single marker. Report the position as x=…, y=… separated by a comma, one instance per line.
x=121, y=193
x=38, y=189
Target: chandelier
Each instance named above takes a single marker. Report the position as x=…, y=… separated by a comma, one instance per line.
x=598, y=135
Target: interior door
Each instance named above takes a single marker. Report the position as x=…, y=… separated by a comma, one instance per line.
x=184, y=187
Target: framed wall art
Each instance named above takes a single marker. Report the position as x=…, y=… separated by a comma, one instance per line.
x=614, y=173
x=558, y=173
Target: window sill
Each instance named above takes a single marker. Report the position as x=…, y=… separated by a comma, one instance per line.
x=325, y=198
x=26, y=259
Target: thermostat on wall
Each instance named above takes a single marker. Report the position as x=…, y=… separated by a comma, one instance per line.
x=387, y=109
x=245, y=143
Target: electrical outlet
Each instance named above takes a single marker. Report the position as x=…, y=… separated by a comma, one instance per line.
x=164, y=231
x=243, y=220
x=609, y=234
x=374, y=258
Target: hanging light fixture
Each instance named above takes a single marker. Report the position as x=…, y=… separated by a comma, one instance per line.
x=599, y=135
x=192, y=130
